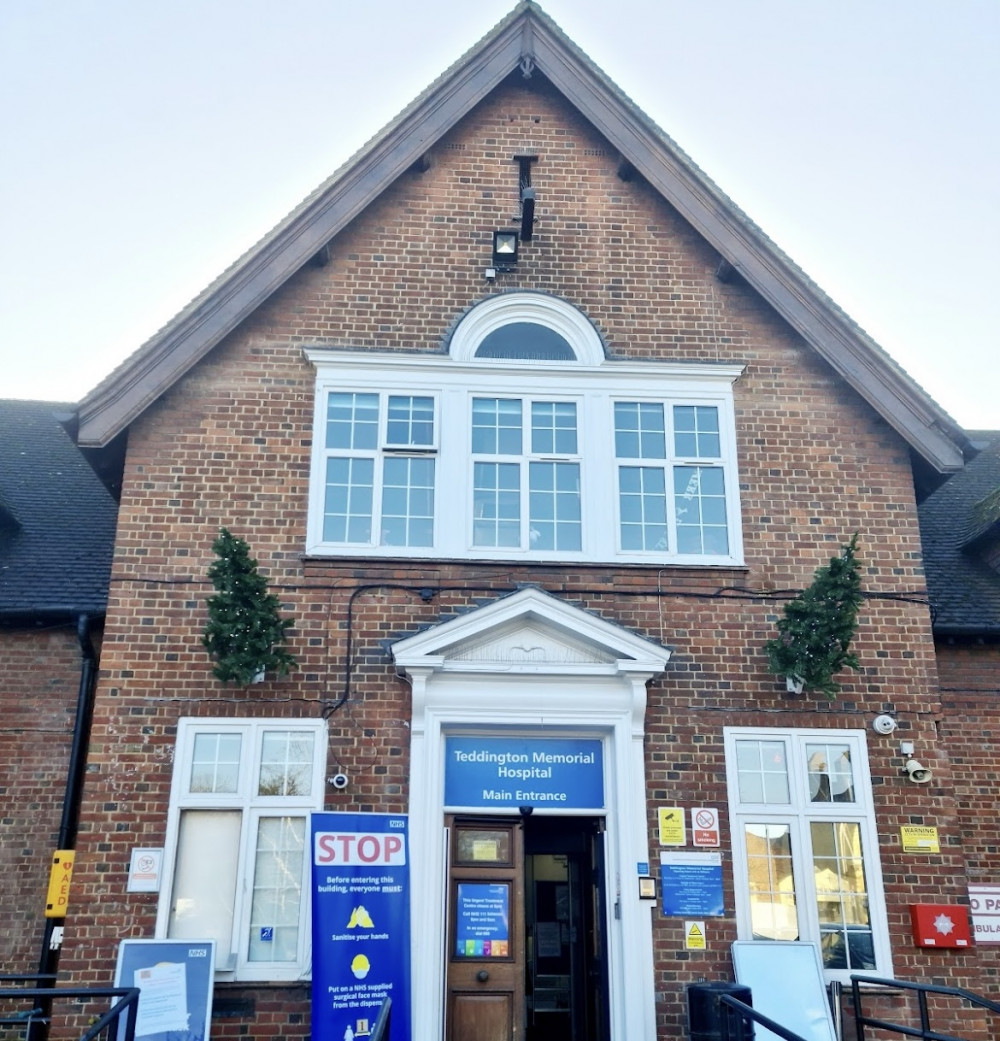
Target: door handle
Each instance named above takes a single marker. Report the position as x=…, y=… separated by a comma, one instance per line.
x=482, y=975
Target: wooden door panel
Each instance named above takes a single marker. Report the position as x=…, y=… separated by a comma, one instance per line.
x=485, y=953
x=482, y=1016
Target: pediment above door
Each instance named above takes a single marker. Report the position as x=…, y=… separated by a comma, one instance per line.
x=529, y=631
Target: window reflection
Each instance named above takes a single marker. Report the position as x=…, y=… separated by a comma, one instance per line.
x=831, y=774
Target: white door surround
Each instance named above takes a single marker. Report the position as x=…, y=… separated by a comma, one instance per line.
x=530, y=663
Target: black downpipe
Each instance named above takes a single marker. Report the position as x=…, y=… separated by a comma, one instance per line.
x=49, y=959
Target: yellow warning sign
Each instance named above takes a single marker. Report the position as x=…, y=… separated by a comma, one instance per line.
x=671, y=821
x=919, y=839
x=694, y=936
x=57, y=899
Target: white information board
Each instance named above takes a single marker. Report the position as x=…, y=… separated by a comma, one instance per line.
x=775, y=969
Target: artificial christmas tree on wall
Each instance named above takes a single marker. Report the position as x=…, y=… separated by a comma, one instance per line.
x=244, y=633
x=815, y=635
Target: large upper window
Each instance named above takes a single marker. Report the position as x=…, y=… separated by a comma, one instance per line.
x=805, y=848
x=524, y=443
x=237, y=841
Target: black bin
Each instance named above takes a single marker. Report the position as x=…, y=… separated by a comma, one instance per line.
x=705, y=1013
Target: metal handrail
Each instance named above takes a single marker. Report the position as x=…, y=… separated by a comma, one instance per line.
x=743, y=1014
x=127, y=1004
x=922, y=990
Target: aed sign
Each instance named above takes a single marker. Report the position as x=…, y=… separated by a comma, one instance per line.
x=358, y=849
x=984, y=903
x=60, y=876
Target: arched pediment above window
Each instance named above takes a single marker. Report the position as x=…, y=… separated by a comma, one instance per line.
x=526, y=327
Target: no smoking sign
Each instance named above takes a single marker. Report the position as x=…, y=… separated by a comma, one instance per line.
x=705, y=826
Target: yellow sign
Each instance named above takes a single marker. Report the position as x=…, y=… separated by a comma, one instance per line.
x=671, y=820
x=694, y=936
x=57, y=899
x=917, y=839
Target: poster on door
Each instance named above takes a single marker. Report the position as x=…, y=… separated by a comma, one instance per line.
x=360, y=925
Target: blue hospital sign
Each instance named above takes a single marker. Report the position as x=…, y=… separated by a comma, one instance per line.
x=508, y=772
x=361, y=925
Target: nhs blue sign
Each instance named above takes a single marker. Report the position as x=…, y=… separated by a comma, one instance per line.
x=508, y=772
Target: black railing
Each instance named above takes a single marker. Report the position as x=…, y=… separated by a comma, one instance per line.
x=922, y=990
x=736, y=1021
x=380, y=1030
x=35, y=1018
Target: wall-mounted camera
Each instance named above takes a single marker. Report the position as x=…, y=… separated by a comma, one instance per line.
x=339, y=781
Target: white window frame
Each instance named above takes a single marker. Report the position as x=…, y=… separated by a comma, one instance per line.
x=594, y=382
x=798, y=814
x=232, y=961
x=383, y=450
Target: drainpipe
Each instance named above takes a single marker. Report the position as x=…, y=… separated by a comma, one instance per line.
x=49, y=960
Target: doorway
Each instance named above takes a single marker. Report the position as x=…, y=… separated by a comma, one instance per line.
x=527, y=949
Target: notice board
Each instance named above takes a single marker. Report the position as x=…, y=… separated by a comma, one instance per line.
x=175, y=979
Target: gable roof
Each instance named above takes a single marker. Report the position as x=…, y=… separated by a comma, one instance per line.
x=57, y=520
x=529, y=40
x=960, y=531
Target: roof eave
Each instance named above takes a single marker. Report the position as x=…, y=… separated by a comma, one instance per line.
x=526, y=33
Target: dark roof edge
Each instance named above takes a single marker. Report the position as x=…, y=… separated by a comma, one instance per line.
x=525, y=33
x=54, y=613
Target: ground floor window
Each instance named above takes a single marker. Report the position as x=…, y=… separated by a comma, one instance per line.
x=237, y=851
x=805, y=846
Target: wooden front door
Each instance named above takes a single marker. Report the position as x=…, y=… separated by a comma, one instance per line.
x=485, y=980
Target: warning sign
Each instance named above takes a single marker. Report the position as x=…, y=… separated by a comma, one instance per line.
x=918, y=839
x=671, y=821
x=694, y=936
x=705, y=826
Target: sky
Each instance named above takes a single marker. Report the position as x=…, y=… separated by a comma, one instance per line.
x=146, y=144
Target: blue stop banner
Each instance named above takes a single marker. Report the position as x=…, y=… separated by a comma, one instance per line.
x=360, y=924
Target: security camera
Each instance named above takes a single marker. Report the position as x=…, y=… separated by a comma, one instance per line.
x=526, y=811
x=339, y=781
x=917, y=773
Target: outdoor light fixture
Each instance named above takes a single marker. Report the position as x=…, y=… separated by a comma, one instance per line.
x=504, y=250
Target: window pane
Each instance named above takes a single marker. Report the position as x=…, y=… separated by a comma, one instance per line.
x=762, y=770
x=352, y=421
x=348, y=508
x=286, y=759
x=496, y=426
x=773, y=912
x=642, y=498
x=410, y=421
x=408, y=502
x=846, y=939
x=203, y=896
x=497, y=504
x=553, y=427
x=527, y=340
x=277, y=889
x=700, y=509
x=831, y=776
x=215, y=763
x=639, y=430
x=554, y=506
x=696, y=432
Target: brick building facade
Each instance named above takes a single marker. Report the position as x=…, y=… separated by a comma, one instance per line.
x=584, y=531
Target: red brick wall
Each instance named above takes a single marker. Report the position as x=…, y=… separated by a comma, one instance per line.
x=970, y=728
x=38, y=695
x=229, y=445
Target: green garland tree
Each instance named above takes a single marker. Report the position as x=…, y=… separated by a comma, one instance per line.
x=244, y=633
x=815, y=634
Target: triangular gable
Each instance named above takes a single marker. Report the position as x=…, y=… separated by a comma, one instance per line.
x=530, y=631
x=530, y=41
